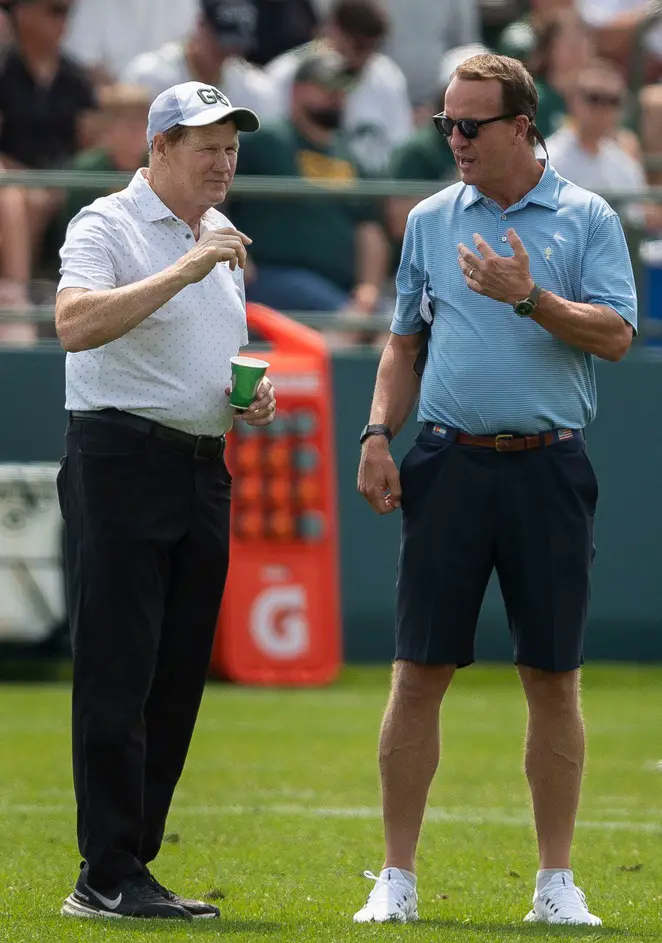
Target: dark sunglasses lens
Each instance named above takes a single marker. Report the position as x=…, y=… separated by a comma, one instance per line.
x=596, y=98
x=468, y=128
x=444, y=125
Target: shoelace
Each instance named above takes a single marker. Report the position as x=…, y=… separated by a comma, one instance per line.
x=380, y=892
x=144, y=891
x=158, y=887
x=574, y=899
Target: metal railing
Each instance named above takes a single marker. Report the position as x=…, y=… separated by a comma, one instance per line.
x=288, y=187
x=276, y=188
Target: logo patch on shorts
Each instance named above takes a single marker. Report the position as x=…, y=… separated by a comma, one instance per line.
x=565, y=433
x=439, y=430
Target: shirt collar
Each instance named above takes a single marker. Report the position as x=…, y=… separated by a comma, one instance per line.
x=151, y=207
x=148, y=204
x=545, y=192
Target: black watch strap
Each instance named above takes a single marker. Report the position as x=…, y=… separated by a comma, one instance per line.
x=376, y=428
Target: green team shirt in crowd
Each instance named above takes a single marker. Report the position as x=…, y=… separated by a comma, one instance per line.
x=97, y=160
x=424, y=156
x=552, y=109
x=315, y=233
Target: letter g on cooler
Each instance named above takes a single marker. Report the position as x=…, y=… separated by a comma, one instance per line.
x=278, y=623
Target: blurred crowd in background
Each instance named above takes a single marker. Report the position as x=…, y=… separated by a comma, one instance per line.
x=345, y=89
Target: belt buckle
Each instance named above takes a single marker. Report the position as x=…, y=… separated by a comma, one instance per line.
x=201, y=440
x=502, y=442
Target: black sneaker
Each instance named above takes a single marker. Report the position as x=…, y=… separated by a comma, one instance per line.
x=135, y=896
x=198, y=909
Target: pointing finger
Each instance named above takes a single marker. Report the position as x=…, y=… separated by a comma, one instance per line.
x=229, y=231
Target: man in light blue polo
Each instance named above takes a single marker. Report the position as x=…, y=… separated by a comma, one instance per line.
x=520, y=279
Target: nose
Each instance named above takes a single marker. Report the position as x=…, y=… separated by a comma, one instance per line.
x=222, y=162
x=458, y=140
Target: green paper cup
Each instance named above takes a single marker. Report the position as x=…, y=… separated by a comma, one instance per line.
x=246, y=375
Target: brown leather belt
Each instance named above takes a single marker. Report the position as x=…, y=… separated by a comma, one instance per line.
x=505, y=442
x=509, y=443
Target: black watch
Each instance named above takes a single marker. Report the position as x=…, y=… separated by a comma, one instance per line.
x=377, y=428
x=526, y=307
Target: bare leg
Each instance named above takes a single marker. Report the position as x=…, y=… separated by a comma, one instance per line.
x=554, y=759
x=409, y=754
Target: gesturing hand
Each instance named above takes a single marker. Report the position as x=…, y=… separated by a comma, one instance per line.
x=220, y=245
x=504, y=279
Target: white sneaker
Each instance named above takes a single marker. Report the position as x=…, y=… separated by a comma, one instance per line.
x=391, y=899
x=561, y=901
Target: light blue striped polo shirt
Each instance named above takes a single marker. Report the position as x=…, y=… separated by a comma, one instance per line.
x=488, y=370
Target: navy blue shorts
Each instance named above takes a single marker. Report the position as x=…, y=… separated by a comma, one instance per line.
x=466, y=510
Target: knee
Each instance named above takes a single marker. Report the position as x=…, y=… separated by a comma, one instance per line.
x=551, y=690
x=420, y=684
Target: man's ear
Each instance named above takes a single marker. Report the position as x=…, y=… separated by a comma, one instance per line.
x=159, y=145
x=522, y=125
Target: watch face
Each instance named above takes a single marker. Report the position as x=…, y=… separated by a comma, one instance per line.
x=524, y=308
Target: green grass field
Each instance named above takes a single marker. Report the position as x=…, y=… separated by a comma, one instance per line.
x=277, y=815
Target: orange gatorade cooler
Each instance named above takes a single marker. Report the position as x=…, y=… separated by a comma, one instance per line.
x=280, y=619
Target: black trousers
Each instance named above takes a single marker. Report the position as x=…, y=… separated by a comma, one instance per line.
x=146, y=556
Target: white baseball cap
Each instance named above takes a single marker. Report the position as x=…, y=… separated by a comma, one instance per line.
x=193, y=105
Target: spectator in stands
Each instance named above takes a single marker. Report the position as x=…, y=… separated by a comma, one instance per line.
x=377, y=113
x=587, y=151
x=211, y=53
x=14, y=265
x=422, y=31
x=520, y=38
x=426, y=154
x=281, y=25
x=45, y=102
x=322, y=253
x=105, y=35
x=619, y=27
x=563, y=48
x=122, y=145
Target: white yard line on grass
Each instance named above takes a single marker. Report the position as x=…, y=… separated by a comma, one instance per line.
x=468, y=816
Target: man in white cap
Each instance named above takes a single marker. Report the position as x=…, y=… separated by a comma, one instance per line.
x=150, y=308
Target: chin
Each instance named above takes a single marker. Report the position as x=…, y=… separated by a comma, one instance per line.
x=217, y=194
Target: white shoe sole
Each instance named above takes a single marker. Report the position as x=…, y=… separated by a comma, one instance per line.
x=73, y=908
x=412, y=918
x=532, y=917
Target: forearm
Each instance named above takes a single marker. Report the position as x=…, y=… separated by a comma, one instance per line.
x=596, y=329
x=373, y=253
x=15, y=241
x=397, y=385
x=87, y=319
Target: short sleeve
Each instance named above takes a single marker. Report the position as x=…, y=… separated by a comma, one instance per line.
x=87, y=261
x=607, y=276
x=410, y=285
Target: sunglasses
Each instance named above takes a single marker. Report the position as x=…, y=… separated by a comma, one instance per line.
x=601, y=98
x=468, y=127
x=57, y=9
